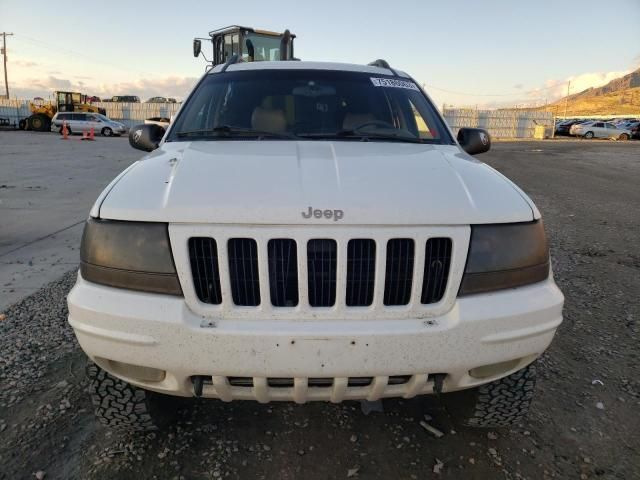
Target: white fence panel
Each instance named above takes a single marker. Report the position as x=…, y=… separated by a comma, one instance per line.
x=128, y=113
x=512, y=123
x=14, y=109
x=134, y=113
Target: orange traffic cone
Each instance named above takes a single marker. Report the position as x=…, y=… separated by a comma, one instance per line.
x=92, y=135
x=65, y=131
x=84, y=135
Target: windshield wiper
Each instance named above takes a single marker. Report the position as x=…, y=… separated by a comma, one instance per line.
x=229, y=130
x=365, y=137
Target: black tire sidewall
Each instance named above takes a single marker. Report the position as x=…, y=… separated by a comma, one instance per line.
x=510, y=407
x=106, y=132
x=153, y=411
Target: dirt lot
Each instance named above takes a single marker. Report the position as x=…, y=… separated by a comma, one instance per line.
x=47, y=187
x=584, y=422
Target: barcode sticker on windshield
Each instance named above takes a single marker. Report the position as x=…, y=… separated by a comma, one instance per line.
x=391, y=82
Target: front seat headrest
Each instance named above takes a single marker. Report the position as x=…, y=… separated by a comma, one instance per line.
x=269, y=120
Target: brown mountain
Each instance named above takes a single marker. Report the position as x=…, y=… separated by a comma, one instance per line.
x=618, y=97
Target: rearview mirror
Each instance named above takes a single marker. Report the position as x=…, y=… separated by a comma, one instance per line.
x=474, y=140
x=197, y=46
x=146, y=137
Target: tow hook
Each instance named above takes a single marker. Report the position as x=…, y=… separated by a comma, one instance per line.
x=438, y=379
x=198, y=381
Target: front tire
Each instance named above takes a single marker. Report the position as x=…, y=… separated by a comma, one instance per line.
x=39, y=123
x=623, y=137
x=588, y=135
x=107, y=132
x=501, y=403
x=120, y=405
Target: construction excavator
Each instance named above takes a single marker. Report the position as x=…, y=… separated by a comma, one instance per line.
x=42, y=111
x=250, y=44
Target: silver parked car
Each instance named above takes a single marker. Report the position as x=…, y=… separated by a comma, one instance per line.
x=80, y=121
x=600, y=130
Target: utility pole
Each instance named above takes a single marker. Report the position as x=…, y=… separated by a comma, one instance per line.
x=566, y=99
x=4, y=58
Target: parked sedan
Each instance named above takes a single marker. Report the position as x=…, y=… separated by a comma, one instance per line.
x=125, y=99
x=634, y=128
x=563, y=127
x=600, y=130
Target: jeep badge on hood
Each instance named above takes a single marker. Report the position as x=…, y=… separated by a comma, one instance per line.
x=317, y=213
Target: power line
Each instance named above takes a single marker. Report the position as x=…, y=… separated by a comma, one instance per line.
x=467, y=94
x=65, y=51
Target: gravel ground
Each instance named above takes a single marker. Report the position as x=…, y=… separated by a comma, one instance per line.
x=584, y=421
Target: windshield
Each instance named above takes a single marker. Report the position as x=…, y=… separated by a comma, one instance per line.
x=265, y=47
x=308, y=104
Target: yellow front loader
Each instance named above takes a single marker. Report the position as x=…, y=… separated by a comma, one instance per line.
x=42, y=111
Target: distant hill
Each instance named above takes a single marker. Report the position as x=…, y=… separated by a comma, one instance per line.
x=618, y=97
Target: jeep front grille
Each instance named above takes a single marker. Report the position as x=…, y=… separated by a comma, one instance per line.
x=390, y=269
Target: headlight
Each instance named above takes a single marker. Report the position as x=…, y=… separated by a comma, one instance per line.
x=133, y=255
x=505, y=256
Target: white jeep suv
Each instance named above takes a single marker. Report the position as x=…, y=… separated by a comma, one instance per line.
x=312, y=231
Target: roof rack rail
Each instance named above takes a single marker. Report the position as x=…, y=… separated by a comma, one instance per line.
x=381, y=63
x=232, y=59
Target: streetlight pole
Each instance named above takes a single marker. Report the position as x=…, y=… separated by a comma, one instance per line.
x=566, y=99
x=4, y=57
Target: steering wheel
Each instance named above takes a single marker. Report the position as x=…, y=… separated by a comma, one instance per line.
x=374, y=123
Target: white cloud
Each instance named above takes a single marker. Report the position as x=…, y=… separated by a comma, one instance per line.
x=173, y=86
x=22, y=63
x=555, y=89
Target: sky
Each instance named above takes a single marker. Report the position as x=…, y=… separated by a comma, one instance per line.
x=466, y=53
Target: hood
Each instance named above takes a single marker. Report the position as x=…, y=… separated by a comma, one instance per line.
x=278, y=182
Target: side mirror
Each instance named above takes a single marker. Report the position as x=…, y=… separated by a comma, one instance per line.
x=146, y=137
x=197, y=46
x=474, y=140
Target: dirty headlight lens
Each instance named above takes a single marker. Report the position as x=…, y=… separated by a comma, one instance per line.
x=132, y=255
x=505, y=256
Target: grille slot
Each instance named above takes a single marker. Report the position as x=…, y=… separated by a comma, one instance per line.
x=321, y=266
x=283, y=272
x=203, y=256
x=436, y=269
x=399, y=271
x=361, y=272
x=243, y=271
x=240, y=381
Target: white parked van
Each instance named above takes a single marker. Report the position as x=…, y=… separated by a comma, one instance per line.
x=312, y=231
x=78, y=122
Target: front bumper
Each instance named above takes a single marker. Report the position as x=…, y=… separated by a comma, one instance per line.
x=161, y=332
